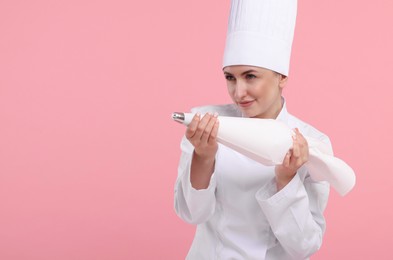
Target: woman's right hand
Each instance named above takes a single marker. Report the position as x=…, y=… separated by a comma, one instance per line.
x=202, y=134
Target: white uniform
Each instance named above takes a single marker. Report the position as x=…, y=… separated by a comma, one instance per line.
x=241, y=215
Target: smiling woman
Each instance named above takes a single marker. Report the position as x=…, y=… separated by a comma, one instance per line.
x=256, y=91
x=243, y=209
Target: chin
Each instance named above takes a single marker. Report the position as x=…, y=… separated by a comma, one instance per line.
x=249, y=113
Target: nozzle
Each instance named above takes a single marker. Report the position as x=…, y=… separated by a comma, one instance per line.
x=178, y=117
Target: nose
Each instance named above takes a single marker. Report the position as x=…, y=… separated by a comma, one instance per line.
x=240, y=90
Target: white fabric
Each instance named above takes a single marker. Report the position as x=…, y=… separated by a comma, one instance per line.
x=240, y=215
x=260, y=33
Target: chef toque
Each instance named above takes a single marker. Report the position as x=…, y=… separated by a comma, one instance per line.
x=260, y=33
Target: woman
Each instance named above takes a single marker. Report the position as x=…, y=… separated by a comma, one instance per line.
x=243, y=209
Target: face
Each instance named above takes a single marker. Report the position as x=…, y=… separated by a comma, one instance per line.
x=256, y=91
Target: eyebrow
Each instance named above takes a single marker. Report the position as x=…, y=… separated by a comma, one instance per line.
x=243, y=73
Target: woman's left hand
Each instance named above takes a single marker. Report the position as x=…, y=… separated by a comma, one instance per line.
x=294, y=159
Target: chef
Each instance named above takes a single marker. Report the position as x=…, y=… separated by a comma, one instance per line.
x=243, y=209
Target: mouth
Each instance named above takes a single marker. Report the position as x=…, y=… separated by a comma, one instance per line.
x=246, y=103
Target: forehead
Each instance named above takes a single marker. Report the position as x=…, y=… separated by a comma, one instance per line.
x=239, y=69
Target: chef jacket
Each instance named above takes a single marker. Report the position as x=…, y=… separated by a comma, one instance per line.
x=240, y=215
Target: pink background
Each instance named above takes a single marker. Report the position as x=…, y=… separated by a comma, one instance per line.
x=88, y=152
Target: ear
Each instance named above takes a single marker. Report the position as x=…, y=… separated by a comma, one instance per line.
x=282, y=80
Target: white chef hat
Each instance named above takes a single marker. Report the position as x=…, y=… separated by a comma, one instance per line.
x=260, y=33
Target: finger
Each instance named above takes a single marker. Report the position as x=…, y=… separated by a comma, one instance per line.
x=213, y=134
x=298, y=133
x=296, y=149
x=201, y=126
x=300, y=137
x=190, y=132
x=208, y=128
x=303, y=145
x=287, y=159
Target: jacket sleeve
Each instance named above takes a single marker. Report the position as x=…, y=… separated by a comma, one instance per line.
x=295, y=213
x=191, y=205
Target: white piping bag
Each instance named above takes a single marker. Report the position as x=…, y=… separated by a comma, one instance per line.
x=267, y=141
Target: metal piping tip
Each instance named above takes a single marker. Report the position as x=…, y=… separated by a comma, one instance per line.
x=178, y=117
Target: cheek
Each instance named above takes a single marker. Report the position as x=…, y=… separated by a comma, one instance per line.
x=268, y=90
x=231, y=90
x=258, y=91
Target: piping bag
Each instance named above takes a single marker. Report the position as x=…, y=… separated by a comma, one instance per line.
x=267, y=141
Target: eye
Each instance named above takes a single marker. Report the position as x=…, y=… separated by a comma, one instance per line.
x=250, y=76
x=229, y=77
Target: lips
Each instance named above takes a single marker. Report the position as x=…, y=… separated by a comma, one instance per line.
x=246, y=103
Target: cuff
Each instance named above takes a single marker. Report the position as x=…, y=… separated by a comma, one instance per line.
x=268, y=193
x=187, y=186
